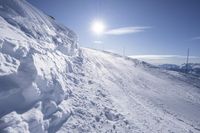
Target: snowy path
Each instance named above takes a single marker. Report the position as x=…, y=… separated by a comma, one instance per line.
x=152, y=99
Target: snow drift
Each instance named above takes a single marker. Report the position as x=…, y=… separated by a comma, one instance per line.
x=36, y=53
x=48, y=84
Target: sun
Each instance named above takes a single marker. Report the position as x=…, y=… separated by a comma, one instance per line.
x=98, y=27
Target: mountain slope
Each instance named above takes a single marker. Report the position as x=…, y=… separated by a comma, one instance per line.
x=152, y=99
x=48, y=84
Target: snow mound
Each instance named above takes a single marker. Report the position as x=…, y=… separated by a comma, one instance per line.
x=48, y=84
x=36, y=55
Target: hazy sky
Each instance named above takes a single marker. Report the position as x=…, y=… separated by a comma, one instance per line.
x=154, y=26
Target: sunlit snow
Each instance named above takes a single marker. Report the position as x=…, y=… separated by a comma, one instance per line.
x=49, y=84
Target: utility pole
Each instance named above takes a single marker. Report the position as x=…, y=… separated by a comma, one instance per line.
x=123, y=51
x=187, y=61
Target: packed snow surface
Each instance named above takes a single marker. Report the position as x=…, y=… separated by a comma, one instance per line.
x=48, y=84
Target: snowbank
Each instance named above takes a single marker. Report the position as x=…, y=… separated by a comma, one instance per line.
x=35, y=54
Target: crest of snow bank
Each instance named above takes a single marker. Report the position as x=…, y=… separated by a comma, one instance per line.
x=37, y=27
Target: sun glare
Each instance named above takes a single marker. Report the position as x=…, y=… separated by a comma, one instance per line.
x=98, y=27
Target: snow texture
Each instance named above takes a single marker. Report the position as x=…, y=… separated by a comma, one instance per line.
x=49, y=84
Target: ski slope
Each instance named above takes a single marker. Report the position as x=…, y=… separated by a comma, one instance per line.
x=151, y=99
x=49, y=84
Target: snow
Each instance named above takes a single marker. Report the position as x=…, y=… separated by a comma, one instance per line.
x=49, y=84
x=8, y=64
x=151, y=95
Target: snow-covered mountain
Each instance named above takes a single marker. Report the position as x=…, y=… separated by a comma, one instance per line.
x=49, y=84
x=192, y=68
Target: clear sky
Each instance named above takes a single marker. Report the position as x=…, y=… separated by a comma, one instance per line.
x=166, y=27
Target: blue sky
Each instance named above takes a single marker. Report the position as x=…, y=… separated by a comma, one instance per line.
x=168, y=27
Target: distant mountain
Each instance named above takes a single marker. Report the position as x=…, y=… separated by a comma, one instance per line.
x=192, y=68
